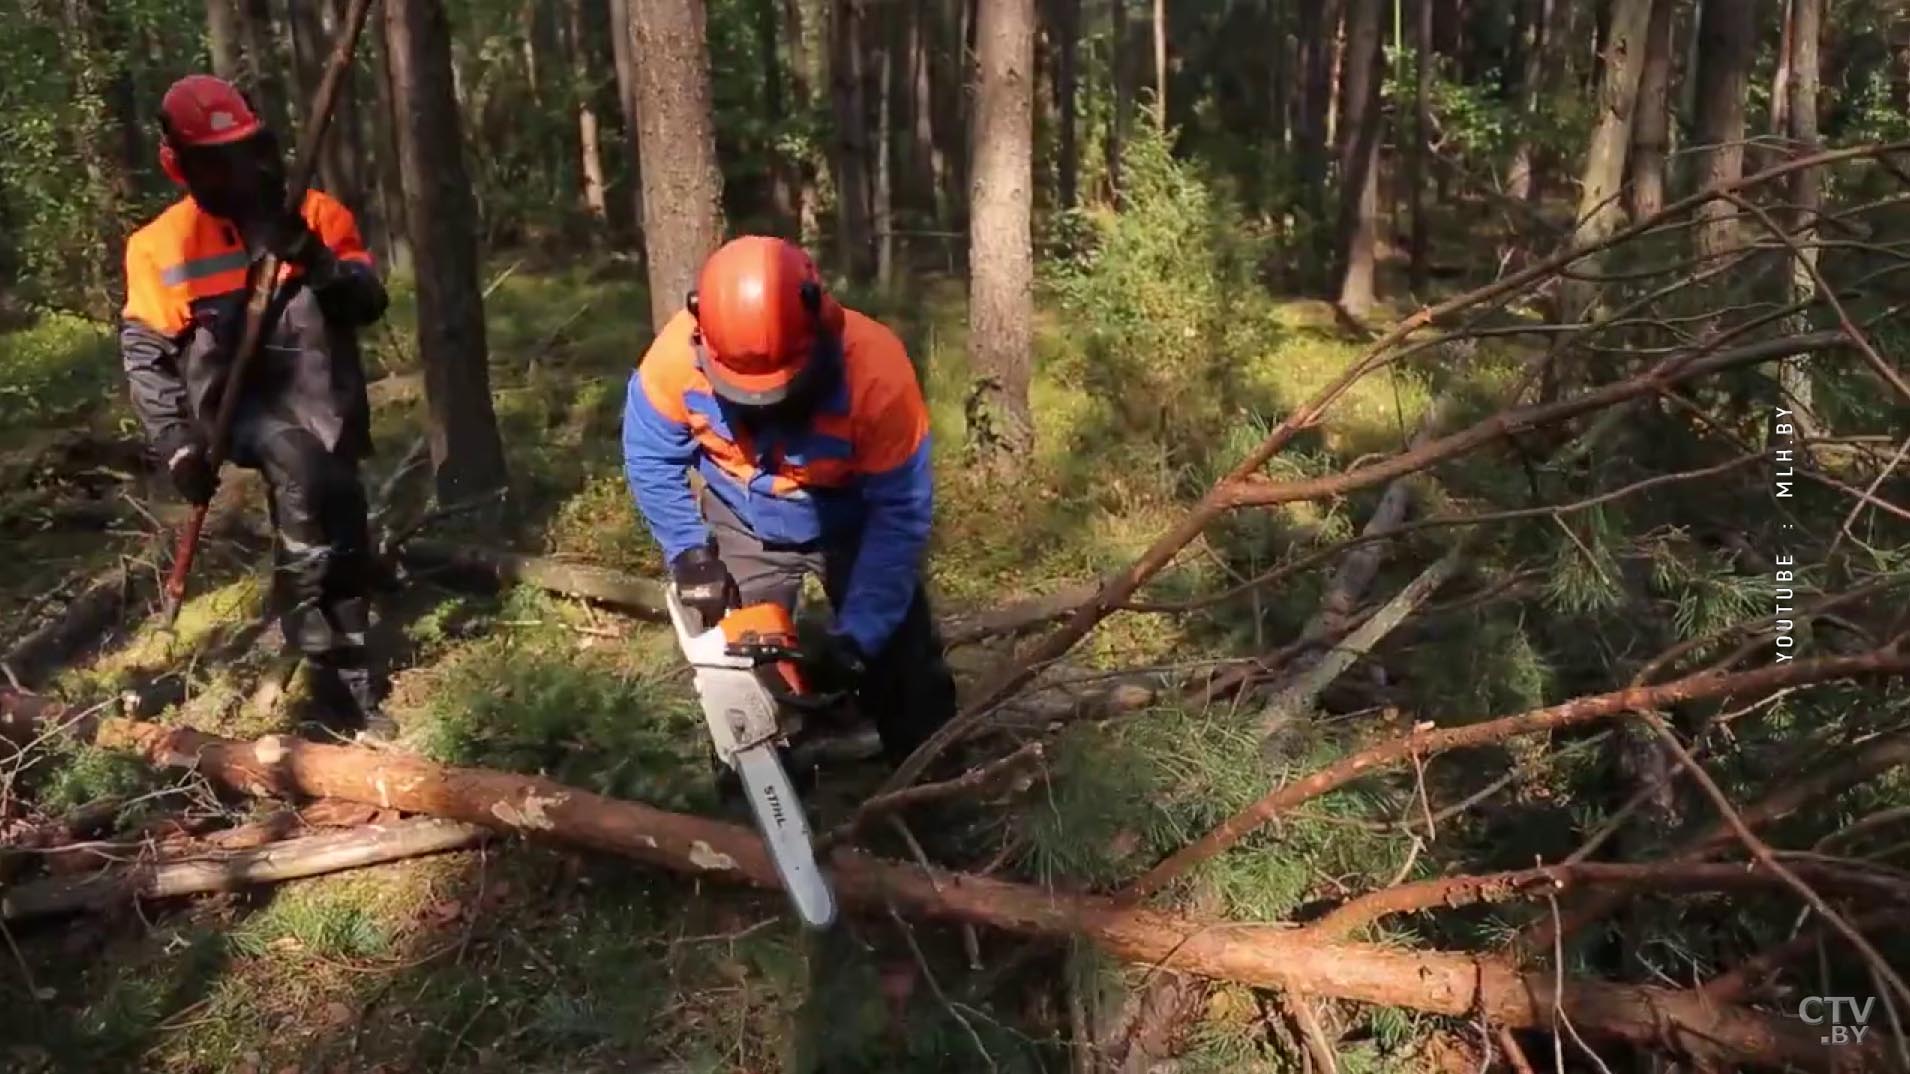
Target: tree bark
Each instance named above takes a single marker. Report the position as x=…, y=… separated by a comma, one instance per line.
x=622, y=49
x=682, y=188
x=1358, y=229
x=1805, y=33
x=1001, y=255
x=467, y=456
x=1160, y=62
x=1725, y=53
x=1290, y=959
x=854, y=244
x=311, y=47
x=383, y=127
x=804, y=76
x=263, y=62
x=589, y=138
x=1067, y=31
x=929, y=166
x=1781, y=75
x=1599, y=211
x=767, y=19
x=223, y=40
x=884, y=193
x=291, y=859
x=1651, y=133
x=1422, y=139
x=1121, y=67
x=1318, y=20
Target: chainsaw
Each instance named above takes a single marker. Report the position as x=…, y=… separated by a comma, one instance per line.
x=747, y=679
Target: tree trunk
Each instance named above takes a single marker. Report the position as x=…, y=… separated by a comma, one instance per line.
x=348, y=130
x=682, y=189
x=1599, y=211
x=263, y=62
x=804, y=75
x=1001, y=255
x=1160, y=62
x=384, y=140
x=1317, y=24
x=223, y=40
x=1280, y=77
x=1805, y=34
x=1422, y=139
x=1067, y=30
x=1358, y=230
x=782, y=186
x=1781, y=76
x=589, y=144
x=621, y=51
x=311, y=47
x=929, y=165
x=1724, y=63
x=1297, y=960
x=1121, y=67
x=1651, y=132
x=467, y=458
x=884, y=195
x=854, y=247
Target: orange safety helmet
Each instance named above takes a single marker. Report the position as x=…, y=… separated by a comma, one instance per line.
x=761, y=314
x=200, y=110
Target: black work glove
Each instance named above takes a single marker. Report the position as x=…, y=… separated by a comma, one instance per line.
x=292, y=240
x=192, y=473
x=703, y=584
x=837, y=666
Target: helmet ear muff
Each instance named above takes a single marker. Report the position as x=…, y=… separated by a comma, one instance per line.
x=169, y=163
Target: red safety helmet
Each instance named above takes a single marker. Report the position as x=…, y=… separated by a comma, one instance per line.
x=200, y=110
x=761, y=312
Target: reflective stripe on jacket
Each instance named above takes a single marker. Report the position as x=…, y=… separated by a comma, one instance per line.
x=185, y=311
x=858, y=470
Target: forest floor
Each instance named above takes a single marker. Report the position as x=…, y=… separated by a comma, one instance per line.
x=520, y=957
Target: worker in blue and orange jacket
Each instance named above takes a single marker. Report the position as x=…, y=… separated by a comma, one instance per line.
x=303, y=418
x=808, y=428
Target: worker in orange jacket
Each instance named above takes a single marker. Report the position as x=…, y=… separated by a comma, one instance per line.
x=807, y=425
x=303, y=417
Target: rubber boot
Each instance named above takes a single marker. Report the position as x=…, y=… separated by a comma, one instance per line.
x=362, y=688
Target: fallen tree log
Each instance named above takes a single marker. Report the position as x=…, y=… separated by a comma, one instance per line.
x=626, y=592
x=85, y=619
x=644, y=597
x=1272, y=956
x=288, y=860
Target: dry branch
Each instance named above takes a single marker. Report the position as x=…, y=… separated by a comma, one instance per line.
x=1259, y=955
x=1874, y=757
x=289, y=860
x=1426, y=742
x=1536, y=883
x=1246, y=486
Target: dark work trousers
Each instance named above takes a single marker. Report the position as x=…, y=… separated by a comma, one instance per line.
x=907, y=688
x=321, y=549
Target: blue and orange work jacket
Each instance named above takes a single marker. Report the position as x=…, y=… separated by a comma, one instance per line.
x=184, y=312
x=856, y=470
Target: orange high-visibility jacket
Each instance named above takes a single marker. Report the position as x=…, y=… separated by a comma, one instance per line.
x=185, y=311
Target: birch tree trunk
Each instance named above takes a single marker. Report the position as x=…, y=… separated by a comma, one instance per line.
x=589, y=140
